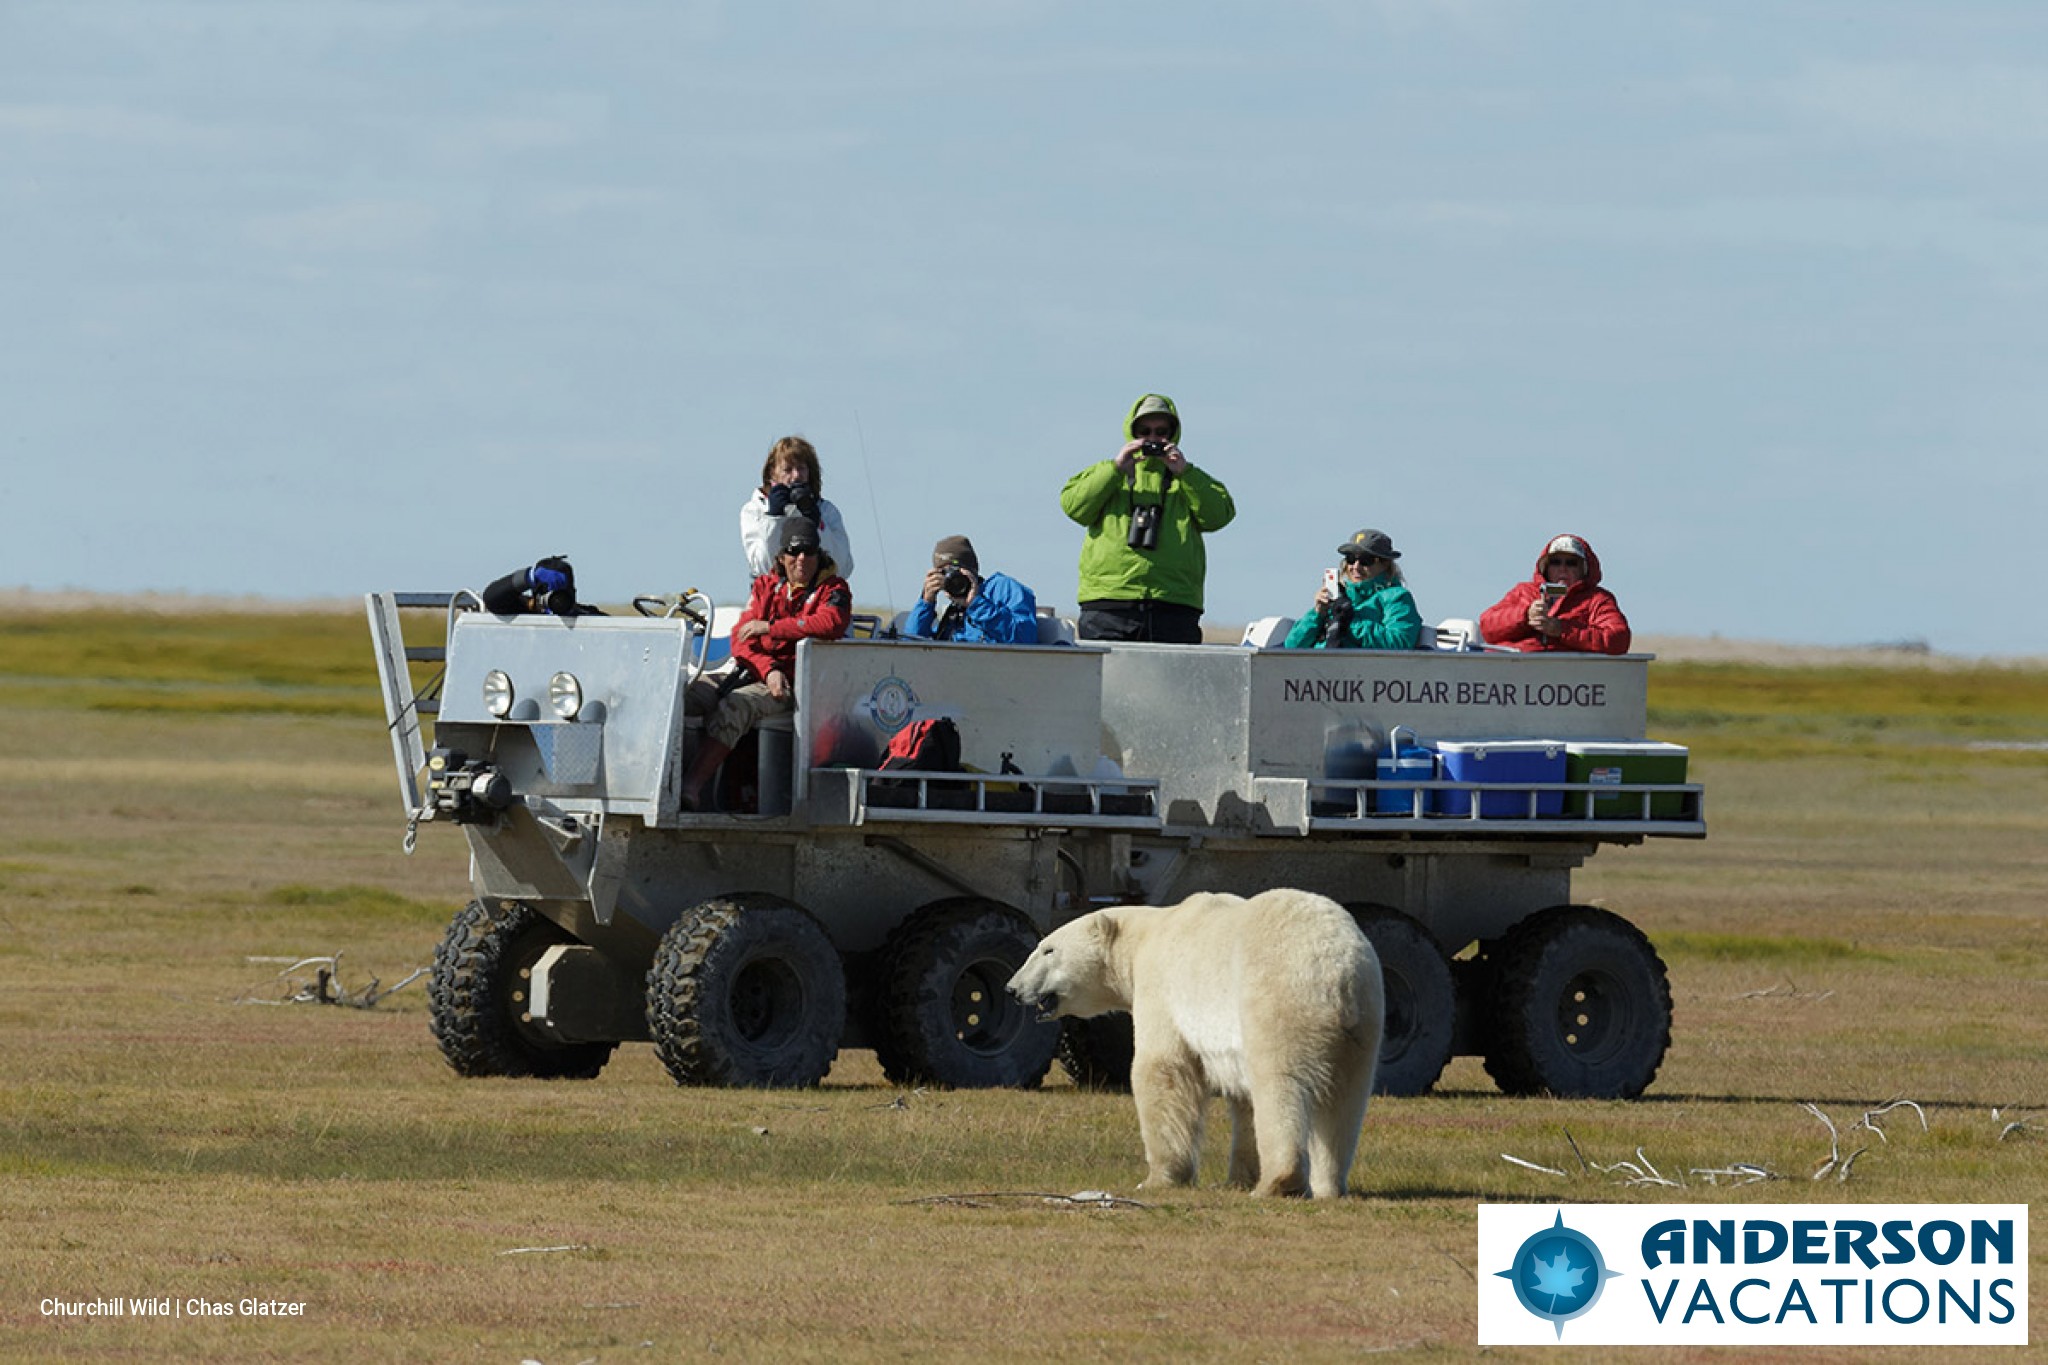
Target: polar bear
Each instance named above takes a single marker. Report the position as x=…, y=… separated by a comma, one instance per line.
x=1275, y=1003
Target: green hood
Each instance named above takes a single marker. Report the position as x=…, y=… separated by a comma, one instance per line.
x=1145, y=407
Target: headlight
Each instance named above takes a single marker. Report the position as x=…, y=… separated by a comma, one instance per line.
x=565, y=695
x=497, y=693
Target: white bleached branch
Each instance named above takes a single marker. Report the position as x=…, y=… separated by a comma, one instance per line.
x=1870, y=1117
x=1082, y=1199
x=2018, y=1125
x=1741, y=1173
x=1783, y=991
x=1836, y=1162
x=325, y=987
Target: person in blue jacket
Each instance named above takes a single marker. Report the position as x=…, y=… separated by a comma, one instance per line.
x=1371, y=607
x=996, y=610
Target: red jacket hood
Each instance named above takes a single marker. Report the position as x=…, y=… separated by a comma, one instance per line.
x=1592, y=579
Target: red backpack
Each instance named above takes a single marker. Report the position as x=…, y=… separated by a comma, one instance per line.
x=925, y=746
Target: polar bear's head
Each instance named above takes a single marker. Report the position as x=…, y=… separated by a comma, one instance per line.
x=1076, y=970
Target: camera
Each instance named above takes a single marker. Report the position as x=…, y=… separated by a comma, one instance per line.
x=957, y=583
x=559, y=600
x=1154, y=449
x=1337, y=622
x=1144, y=532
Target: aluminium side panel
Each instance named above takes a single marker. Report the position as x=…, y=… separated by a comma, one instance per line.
x=1312, y=709
x=1040, y=704
x=614, y=756
x=1177, y=713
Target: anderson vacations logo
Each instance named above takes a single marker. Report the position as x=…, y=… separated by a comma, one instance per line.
x=1758, y=1274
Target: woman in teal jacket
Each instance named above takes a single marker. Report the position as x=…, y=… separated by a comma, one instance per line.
x=1371, y=609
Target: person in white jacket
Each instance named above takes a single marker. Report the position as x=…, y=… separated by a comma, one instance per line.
x=790, y=486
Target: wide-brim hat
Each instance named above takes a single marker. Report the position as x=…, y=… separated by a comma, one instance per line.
x=1370, y=542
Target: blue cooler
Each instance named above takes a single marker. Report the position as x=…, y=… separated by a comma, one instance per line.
x=1498, y=762
x=1410, y=762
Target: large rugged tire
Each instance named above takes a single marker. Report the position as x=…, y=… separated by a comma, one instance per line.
x=746, y=990
x=946, y=1018
x=478, y=993
x=1097, y=1052
x=1415, y=1042
x=1582, y=1007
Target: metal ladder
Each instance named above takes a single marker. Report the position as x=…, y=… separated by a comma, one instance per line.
x=403, y=707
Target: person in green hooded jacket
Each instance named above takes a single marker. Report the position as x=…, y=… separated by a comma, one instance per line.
x=1143, y=563
x=1371, y=607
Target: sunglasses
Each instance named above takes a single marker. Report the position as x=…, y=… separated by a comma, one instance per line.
x=800, y=550
x=1565, y=562
x=1152, y=429
x=1362, y=559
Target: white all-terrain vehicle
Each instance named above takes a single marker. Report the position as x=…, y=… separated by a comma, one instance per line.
x=834, y=904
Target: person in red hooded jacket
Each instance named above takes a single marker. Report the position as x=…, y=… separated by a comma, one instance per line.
x=1560, y=606
x=801, y=598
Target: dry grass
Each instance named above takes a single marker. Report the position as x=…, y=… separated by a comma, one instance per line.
x=1746, y=710
x=1860, y=928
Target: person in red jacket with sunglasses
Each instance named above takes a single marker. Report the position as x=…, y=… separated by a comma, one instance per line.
x=801, y=598
x=1560, y=606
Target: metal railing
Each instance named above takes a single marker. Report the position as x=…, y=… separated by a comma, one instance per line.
x=1440, y=806
x=1003, y=798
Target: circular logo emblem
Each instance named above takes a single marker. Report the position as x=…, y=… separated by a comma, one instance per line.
x=1558, y=1274
x=892, y=704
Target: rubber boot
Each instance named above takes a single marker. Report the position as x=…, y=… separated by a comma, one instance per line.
x=710, y=754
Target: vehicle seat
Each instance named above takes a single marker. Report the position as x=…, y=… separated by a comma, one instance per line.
x=1454, y=634
x=1268, y=632
x=771, y=745
x=1054, y=629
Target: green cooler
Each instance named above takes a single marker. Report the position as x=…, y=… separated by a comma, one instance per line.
x=1604, y=763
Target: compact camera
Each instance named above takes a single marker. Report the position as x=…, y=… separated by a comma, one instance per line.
x=1154, y=449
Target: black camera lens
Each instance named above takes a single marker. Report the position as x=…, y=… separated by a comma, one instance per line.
x=957, y=583
x=1337, y=625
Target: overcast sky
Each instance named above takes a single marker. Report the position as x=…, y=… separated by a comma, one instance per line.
x=308, y=297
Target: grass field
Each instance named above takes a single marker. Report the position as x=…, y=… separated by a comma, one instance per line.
x=198, y=802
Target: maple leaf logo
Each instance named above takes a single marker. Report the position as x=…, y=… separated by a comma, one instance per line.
x=1558, y=1273
x=1557, y=1277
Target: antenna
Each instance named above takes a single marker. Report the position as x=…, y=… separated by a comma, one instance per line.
x=875, y=511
